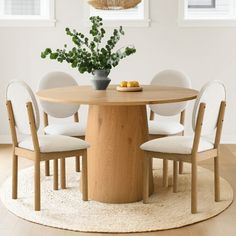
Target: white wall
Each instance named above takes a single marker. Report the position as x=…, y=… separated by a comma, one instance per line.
x=202, y=53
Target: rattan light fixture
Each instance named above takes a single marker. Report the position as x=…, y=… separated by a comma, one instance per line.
x=114, y=4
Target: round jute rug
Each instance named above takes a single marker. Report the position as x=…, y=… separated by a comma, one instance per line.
x=64, y=208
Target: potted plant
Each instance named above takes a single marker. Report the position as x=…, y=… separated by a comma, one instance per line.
x=91, y=55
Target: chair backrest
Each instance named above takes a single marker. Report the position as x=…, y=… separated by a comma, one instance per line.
x=212, y=94
x=57, y=80
x=170, y=78
x=19, y=93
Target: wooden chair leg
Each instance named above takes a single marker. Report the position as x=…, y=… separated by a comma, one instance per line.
x=217, y=179
x=165, y=174
x=14, y=176
x=63, y=173
x=37, y=185
x=77, y=164
x=181, y=167
x=194, y=188
x=55, y=174
x=47, y=168
x=151, y=181
x=175, y=176
x=84, y=177
x=146, y=169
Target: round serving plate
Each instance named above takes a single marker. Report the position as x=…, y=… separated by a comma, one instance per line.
x=129, y=89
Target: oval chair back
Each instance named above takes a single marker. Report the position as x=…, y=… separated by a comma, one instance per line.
x=57, y=80
x=19, y=94
x=170, y=78
x=212, y=94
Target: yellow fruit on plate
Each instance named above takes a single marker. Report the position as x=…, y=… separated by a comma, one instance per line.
x=130, y=84
x=136, y=83
x=133, y=84
x=123, y=84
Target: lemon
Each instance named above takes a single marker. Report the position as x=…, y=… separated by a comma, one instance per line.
x=123, y=84
x=135, y=84
x=130, y=84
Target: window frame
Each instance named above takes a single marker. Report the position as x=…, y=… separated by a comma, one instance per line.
x=183, y=22
x=212, y=5
x=126, y=23
x=29, y=20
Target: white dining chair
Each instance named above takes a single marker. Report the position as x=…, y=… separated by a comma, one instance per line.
x=208, y=117
x=24, y=118
x=165, y=127
x=73, y=129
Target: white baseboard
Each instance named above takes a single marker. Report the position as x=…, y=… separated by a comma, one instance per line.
x=227, y=139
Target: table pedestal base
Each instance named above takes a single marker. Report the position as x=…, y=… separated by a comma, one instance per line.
x=115, y=159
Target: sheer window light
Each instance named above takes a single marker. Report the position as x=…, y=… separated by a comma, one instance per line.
x=207, y=12
x=27, y=13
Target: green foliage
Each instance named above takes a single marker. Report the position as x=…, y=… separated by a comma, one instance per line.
x=88, y=55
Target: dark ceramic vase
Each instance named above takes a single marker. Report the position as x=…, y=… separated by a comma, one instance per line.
x=100, y=80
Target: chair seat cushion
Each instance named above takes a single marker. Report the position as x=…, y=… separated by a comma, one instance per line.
x=165, y=127
x=71, y=129
x=55, y=143
x=176, y=144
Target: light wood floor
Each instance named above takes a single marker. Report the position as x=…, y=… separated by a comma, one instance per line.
x=222, y=225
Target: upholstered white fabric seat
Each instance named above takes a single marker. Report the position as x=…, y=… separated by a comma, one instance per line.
x=70, y=129
x=165, y=127
x=54, y=143
x=176, y=144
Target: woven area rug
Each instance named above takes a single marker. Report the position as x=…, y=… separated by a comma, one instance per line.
x=64, y=208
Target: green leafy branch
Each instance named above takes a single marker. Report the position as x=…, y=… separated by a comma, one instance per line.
x=87, y=55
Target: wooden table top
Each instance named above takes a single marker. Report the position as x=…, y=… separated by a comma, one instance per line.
x=87, y=95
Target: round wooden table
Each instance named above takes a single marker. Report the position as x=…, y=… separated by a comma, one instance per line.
x=117, y=126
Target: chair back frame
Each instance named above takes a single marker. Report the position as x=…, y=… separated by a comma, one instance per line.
x=12, y=124
x=199, y=124
x=17, y=106
x=181, y=121
x=212, y=93
x=169, y=78
x=32, y=125
x=34, y=135
x=51, y=75
x=57, y=80
x=220, y=124
x=46, y=118
x=198, y=130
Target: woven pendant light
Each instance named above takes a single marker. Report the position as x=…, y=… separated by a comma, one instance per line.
x=114, y=4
